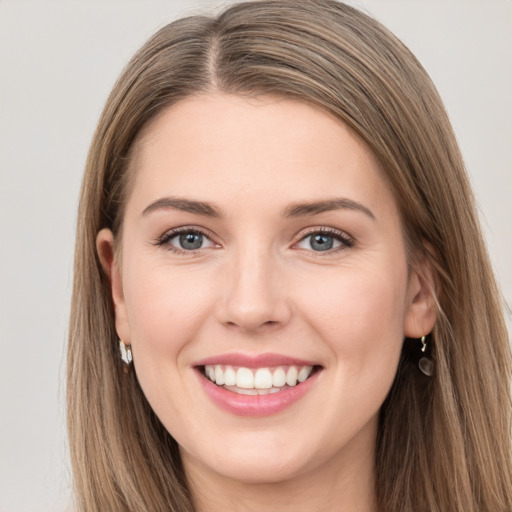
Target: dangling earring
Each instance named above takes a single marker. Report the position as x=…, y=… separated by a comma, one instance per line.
x=425, y=364
x=126, y=355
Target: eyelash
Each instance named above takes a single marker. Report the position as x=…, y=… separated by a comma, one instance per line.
x=345, y=240
x=166, y=238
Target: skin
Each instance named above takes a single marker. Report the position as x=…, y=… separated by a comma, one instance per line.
x=256, y=286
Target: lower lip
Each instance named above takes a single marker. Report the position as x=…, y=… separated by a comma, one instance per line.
x=256, y=405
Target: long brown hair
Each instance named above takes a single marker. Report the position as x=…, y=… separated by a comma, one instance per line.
x=444, y=441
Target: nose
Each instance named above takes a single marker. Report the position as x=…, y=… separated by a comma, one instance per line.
x=254, y=296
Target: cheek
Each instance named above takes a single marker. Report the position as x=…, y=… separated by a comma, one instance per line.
x=166, y=309
x=165, y=306
x=360, y=315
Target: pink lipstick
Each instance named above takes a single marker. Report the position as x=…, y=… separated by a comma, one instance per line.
x=259, y=385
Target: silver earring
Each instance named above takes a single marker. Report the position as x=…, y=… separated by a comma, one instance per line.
x=425, y=364
x=126, y=354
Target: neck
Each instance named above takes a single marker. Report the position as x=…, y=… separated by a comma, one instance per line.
x=345, y=483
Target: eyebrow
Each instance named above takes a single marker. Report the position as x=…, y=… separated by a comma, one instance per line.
x=185, y=205
x=293, y=210
x=314, y=208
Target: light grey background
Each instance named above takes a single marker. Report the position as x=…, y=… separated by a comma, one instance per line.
x=58, y=61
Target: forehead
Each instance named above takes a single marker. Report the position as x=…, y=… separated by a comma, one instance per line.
x=262, y=148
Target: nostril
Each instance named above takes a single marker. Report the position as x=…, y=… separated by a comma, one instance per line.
x=248, y=323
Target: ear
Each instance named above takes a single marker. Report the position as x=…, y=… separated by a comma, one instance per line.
x=421, y=312
x=111, y=266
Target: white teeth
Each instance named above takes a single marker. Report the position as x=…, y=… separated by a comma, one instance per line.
x=304, y=373
x=219, y=376
x=278, y=378
x=244, y=378
x=291, y=376
x=229, y=376
x=242, y=391
x=262, y=379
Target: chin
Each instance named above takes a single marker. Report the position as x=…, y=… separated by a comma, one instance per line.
x=262, y=471
x=252, y=462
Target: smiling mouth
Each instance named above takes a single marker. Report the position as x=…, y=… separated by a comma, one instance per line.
x=257, y=381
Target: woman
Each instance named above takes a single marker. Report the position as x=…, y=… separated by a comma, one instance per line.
x=282, y=299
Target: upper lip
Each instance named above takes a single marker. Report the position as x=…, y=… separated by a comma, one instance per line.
x=255, y=361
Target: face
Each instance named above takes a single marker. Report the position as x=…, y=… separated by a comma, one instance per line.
x=262, y=249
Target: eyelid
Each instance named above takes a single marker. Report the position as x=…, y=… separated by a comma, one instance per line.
x=167, y=236
x=347, y=241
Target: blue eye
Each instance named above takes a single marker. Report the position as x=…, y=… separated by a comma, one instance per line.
x=186, y=240
x=322, y=241
x=189, y=241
